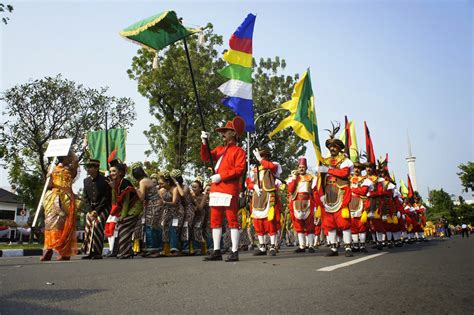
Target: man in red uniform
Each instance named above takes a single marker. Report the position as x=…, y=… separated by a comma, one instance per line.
x=225, y=185
x=265, y=206
x=337, y=195
x=420, y=210
x=360, y=186
x=300, y=187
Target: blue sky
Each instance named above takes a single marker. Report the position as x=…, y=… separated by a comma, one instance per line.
x=403, y=66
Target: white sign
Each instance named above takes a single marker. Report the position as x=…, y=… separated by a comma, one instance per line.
x=58, y=147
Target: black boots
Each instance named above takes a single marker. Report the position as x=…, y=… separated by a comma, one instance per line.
x=215, y=256
x=234, y=256
x=333, y=251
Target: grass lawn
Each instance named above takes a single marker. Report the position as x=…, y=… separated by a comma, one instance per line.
x=20, y=246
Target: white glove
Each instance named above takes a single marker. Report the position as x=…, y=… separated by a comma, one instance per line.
x=257, y=155
x=216, y=178
x=257, y=190
x=323, y=169
x=204, y=136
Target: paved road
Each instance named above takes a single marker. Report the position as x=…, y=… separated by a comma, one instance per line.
x=436, y=277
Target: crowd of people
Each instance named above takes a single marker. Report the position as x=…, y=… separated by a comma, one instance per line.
x=345, y=204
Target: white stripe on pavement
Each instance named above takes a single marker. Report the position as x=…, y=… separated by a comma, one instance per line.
x=352, y=262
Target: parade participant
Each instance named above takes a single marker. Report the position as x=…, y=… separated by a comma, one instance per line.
x=173, y=214
x=147, y=191
x=410, y=219
x=265, y=204
x=226, y=184
x=300, y=186
x=126, y=206
x=420, y=210
x=371, y=200
x=383, y=217
x=201, y=200
x=337, y=168
x=96, y=199
x=60, y=210
x=189, y=212
x=360, y=186
x=401, y=227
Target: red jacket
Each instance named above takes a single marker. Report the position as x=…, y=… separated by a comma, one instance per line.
x=231, y=168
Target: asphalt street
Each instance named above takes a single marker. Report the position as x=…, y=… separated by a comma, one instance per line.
x=435, y=277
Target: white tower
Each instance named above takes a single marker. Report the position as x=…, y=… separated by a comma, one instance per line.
x=411, y=165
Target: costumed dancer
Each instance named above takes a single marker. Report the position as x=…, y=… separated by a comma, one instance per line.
x=420, y=210
x=265, y=205
x=97, y=201
x=371, y=200
x=400, y=225
x=201, y=201
x=148, y=193
x=360, y=186
x=337, y=195
x=225, y=185
x=173, y=214
x=383, y=217
x=60, y=210
x=189, y=212
x=126, y=206
x=300, y=186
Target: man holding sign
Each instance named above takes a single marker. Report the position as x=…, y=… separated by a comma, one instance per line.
x=225, y=185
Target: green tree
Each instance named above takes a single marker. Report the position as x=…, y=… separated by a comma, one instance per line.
x=467, y=176
x=47, y=109
x=441, y=205
x=5, y=8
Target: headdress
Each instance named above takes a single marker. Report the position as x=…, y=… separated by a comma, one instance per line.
x=332, y=134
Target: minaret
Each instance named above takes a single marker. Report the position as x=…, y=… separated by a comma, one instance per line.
x=411, y=165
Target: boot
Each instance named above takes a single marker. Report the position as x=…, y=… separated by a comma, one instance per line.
x=47, y=255
x=272, y=251
x=234, y=256
x=333, y=251
x=262, y=251
x=311, y=250
x=379, y=246
x=348, y=251
x=362, y=248
x=215, y=256
x=300, y=250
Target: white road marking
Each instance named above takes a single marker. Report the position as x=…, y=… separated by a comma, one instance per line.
x=352, y=262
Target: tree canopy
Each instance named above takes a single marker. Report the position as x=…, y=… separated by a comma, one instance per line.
x=47, y=109
x=466, y=175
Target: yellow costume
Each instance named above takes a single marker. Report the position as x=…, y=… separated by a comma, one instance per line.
x=60, y=213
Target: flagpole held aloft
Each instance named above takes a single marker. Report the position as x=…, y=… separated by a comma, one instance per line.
x=198, y=104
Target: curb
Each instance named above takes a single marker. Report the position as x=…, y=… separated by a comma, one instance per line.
x=30, y=252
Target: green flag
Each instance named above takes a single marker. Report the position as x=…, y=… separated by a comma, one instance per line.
x=96, y=143
x=157, y=31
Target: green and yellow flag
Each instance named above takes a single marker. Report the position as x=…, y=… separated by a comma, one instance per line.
x=96, y=143
x=158, y=31
x=403, y=189
x=353, y=148
x=302, y=114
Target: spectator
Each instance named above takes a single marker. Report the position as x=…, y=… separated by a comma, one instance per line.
x=464, y=230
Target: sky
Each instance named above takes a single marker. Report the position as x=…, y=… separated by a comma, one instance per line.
x=405, y=67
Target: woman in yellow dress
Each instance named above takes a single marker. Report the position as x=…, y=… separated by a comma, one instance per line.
x=60, y=211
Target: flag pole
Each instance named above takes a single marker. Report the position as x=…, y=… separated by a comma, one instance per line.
x=106, y=143
x=197, y=101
